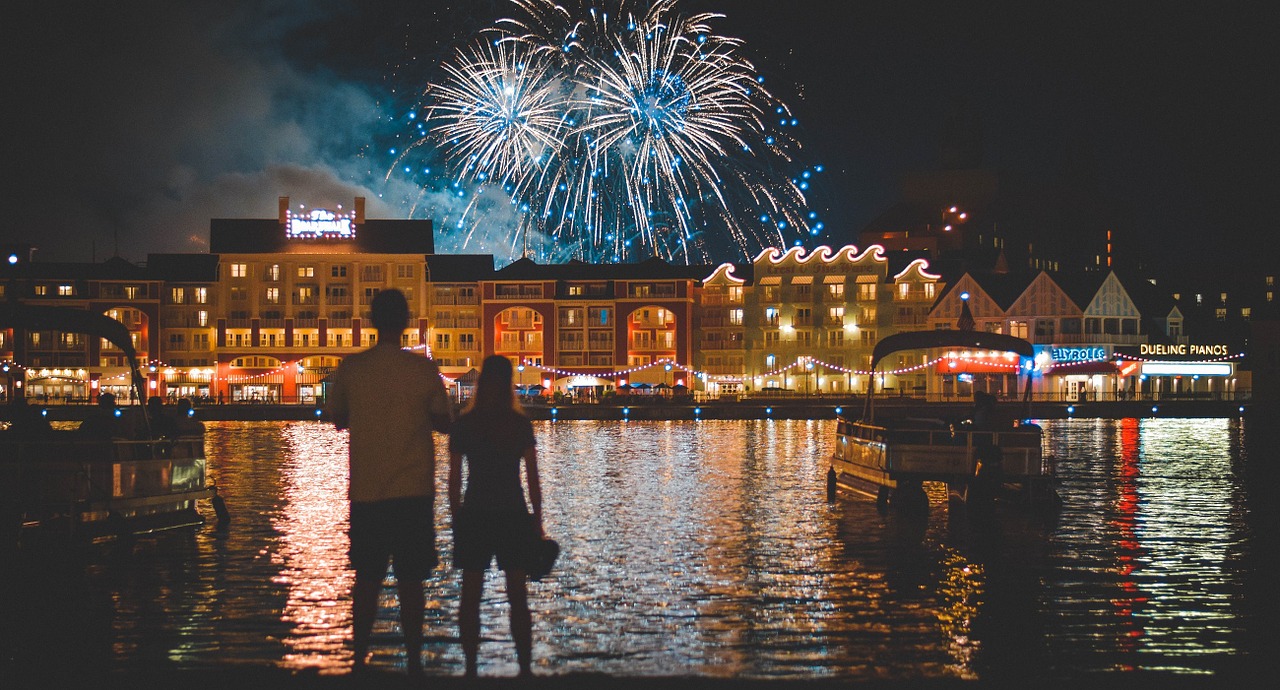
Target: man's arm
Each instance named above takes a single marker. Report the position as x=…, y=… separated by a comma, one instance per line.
x=439, y=408
x=336, y=404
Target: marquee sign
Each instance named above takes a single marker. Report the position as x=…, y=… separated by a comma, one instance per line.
x=1182, y=350
x=320, y=224
x=1086, y=353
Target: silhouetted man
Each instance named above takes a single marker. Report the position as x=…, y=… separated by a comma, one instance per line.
x=391, y=400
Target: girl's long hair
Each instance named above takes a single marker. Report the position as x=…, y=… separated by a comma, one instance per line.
x=494, y=390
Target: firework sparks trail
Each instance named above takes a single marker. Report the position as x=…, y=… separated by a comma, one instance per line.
x=619, y=136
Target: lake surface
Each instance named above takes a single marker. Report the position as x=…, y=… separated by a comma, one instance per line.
x=707, y=549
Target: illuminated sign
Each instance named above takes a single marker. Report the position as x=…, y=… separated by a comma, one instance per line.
x=1077, y=354
x=1152, y=349
x=320, y=224
x=1186, y=369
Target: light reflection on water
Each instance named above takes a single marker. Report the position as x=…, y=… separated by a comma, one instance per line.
x=708, y=548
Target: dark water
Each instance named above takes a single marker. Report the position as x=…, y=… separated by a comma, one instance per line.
x=704, y=548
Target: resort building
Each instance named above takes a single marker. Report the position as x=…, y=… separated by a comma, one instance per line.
x=277, y=303
x=798, y=322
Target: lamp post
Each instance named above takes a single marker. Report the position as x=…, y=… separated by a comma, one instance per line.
x=808, y=366
x=667, y=367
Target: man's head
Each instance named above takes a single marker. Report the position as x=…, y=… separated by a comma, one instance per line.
x=390, y=313
x=107, y=400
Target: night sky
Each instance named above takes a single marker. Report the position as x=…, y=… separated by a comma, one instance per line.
x=130, y=125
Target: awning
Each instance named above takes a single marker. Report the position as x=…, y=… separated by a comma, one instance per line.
x=1082, y=368
x=975, y=366
x=770, y=280
x=829, y=279
x=802, y=280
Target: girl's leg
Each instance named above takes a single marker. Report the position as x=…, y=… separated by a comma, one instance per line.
x=469, y=617
x=521, y=620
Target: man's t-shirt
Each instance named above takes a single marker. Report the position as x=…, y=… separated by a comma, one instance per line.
x=492, y=446
x=388, y=396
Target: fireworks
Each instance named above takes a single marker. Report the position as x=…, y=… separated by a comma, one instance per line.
x=618, y=136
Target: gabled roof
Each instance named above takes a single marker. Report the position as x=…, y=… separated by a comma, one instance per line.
x=459, y=268
x=1152, y=301
x=1081, y=287
x=1004, y=288
x=114, y=268
x=183, y=268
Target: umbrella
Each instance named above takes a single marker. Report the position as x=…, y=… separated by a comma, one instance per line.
x=640, y=385
x=469, y=378
x=679, y=388
x=662, y=386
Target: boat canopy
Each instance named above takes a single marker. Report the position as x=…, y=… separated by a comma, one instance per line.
x=920, y=340
x=25, y=317
x=923, y=340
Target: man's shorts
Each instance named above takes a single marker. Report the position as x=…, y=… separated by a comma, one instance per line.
x=399, y=530
x=480, y=536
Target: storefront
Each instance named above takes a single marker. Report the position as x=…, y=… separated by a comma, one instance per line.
x=1184, y=370
x=961, y=372
x=1077, y=372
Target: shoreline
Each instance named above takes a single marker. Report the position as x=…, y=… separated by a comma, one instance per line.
x=759, y=409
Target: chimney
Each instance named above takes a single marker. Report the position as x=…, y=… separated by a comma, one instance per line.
x=284, y=210
x=359, y=210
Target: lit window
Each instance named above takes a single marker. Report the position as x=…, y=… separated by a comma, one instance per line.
x=273, y=295
x=1220, y=313
x=239, y=270
x=836, y=290
x=65, y=290
x=42, y=290
x=306, y=271
x=178, y=295
x=1244, y=312
x=202, y=318
x=735, y=317
x=201, y=295
x=273, y=272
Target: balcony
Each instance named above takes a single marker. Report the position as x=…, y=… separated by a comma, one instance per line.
x=652, y=322
x=721, y=345
x=522, y=322
x=338, y=300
